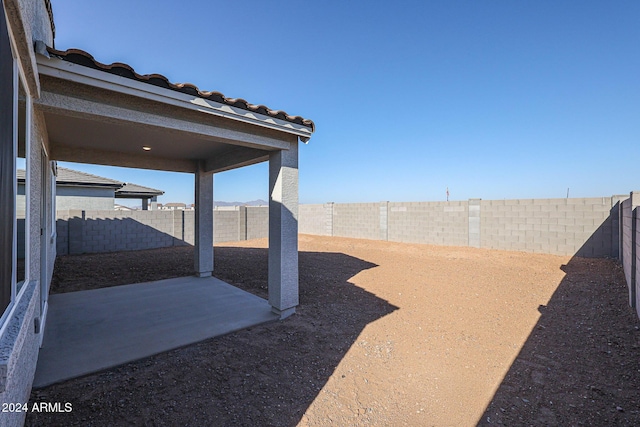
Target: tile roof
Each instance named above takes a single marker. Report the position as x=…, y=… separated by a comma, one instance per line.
x=70, y=176
x=47, y=5
x=122, y=189
x=73, y=177
x=83, y=58
x=129, y=188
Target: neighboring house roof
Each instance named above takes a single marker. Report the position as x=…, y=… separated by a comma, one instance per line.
x=122, y=208
x=123, y=190
x=175, y=205
x=80, y=57
x=72, y=177
x=135, y=191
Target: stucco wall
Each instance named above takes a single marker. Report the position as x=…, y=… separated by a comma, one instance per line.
x=19, y=346
x=20, y=338
x=89, y=198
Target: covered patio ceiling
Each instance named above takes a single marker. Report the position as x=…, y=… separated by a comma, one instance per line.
x=108, y=114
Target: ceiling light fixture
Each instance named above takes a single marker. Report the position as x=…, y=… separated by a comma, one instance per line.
x=146, y=148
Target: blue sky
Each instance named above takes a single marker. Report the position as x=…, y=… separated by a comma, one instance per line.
x=491, y=98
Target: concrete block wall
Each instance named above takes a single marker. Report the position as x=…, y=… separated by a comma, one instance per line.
x=580, y=227
x=257, y=222
x=226, y=224
x=188, y=227
x=629, y=251
x=436, y=223
x=357, y=220
x=62, y=232
x=92, y=231
x=636, y=275
x=111, y=231
x=587, y=227
x=313, y=219
x=626, y=220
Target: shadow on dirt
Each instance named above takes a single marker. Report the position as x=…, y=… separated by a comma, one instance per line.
x=579, y=365
x=267, y=375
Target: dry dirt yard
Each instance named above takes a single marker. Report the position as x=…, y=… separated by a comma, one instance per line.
x=386, y=334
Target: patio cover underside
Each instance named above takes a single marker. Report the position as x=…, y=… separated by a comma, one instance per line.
x=93, y=125
x=90, y=331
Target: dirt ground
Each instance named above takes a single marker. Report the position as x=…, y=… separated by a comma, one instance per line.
x=386, y=334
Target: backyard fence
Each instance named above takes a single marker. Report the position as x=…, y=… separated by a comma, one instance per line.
x=111, y=231
x=587, y=227
x=580, y=226
x=629, y=252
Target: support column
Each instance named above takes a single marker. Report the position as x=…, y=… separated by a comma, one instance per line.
x=203, y=223
x=242, y=223
x=328, y=218
x=384, y=221
x=145, y=204
x=474, y=223
x=283, y=231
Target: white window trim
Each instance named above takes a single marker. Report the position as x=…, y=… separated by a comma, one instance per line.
x=53, y=173
x=19, y=76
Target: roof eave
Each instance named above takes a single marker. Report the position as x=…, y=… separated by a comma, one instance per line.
x=87, y=184
x=69, y=71
x=120, y=195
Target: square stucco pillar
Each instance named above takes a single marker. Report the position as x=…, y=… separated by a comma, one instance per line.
x=283, y=231
x=204, y=224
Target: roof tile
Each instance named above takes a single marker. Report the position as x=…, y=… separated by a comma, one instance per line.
x=128, y=187
x=70, y=176
x=83, y=58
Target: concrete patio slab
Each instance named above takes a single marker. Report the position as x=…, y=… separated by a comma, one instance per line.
x=89, y=331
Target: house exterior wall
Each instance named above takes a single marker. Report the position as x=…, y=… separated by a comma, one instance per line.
x=29, y=21
x=89, y=198
x=19, y=337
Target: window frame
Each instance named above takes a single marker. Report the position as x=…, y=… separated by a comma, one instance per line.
x=19, y=78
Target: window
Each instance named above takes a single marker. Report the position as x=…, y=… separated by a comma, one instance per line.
x=7, y=164
x=22, y=188
x=15, y=122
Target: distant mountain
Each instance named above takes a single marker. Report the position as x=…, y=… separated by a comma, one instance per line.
x=258, y=202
